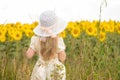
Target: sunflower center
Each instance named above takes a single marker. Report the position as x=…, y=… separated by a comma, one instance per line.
x=90, y=29
x=75, y=31
x=119, y=28
x=17, y=35
x=101, y=36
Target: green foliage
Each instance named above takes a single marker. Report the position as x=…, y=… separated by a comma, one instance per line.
x=90, y=59
x=87, y=58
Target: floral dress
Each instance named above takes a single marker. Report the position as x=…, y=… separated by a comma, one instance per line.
x=47, y=70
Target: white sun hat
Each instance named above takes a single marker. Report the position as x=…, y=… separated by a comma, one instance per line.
x=50, y=24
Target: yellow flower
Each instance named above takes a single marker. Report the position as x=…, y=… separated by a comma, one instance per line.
x=2, y=39
x=10, y=32
x=35, y=23
x=4, y=30
x=29, y=33
x=75, y=32
x=63, y=34
x=1, y=34
x=25, y=27
x=104, y=26
x=17, y=35
x=11, y=25
x=18, y=26
x=70, y=26
x=102, y=36
x=95, y=32
x=83, y=25
x=112, y=28
x=31, y=27
x=101, y=28
x=90, y=30
x=118, y=28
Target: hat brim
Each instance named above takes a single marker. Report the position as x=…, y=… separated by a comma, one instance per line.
x=55, y=29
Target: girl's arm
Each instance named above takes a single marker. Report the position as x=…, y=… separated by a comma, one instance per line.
x=30, y=52
x=62, y=56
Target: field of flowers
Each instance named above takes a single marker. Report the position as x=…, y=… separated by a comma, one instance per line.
x=92, y=48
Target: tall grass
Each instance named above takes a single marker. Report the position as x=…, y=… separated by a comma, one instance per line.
x=87, y=58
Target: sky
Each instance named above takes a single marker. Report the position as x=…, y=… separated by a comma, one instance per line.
x=27, y=11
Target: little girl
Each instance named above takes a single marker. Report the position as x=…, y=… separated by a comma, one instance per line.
x=50, y=48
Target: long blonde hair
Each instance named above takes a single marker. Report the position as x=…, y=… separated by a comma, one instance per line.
x=49, y=48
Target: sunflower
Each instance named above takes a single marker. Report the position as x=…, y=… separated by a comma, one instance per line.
x=10, y=32
x=70, y=26
x=29, y=33
x=31, y=27
x=4, y=30
x=18, y=24
x=102, y=36
x=63, y=34
x=19, y=27
x=25, y=27
x=95, y=32
x=101, y=27
x=82, y=25
x=118, y=28
x=112, y=28
x=35, y=23
x=90, y=30
x=75, y=32
x=2, y=39
x=107, y=27
x=1, y=34
x=17, y=35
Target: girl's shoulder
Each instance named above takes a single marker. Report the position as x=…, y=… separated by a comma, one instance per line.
x=60, y=39
x=35, y=37
x=35, y=43
x=61, y=43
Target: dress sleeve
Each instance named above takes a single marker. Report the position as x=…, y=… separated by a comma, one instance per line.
x=33, y=43
x=61, y=45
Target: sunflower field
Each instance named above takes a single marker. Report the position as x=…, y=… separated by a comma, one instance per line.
x=92, y=48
